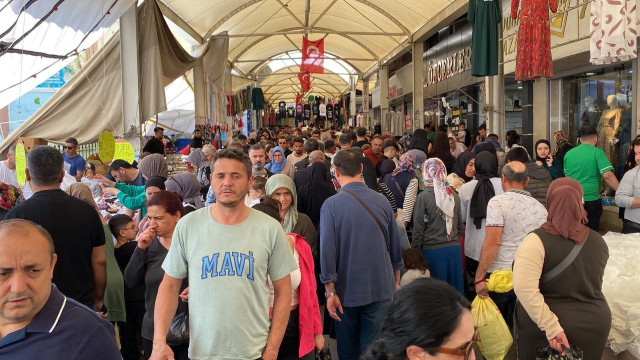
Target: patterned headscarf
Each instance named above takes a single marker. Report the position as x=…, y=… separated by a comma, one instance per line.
x=434, y=174
x=407, y=162
x=561, y=138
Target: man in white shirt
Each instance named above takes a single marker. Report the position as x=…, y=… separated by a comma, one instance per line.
x=510, y=217
x=8, y=168
x=299, y=153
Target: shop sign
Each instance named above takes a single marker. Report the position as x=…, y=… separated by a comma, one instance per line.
x=123, y=151
x=21, y=164
x=566, y=27
x=106, y=146
x=452, y=65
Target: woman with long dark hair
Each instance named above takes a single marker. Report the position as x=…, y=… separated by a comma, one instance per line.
x=426, y=318
x=442, y=151
x=419, y=141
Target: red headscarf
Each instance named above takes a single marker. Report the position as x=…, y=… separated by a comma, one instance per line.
x=566, y=214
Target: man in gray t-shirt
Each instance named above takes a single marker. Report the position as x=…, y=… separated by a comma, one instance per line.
x=227, y=250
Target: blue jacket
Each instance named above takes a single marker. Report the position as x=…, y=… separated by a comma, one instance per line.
x=354, y=254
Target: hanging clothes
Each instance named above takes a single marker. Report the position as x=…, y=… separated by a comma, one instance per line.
x=485, y=17
x=613, y=31
x=534, y=50
x=257, y=99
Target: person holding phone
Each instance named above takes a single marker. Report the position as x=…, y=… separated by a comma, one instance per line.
x=544, y=159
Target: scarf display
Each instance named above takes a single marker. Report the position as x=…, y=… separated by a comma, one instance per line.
x=187, y=186
x=434, y=175
x=280, y=181
x=460, y=167
x=486, y=169
x=276, y=167
x=407, y=163
x=566, y=216
x=541, y=141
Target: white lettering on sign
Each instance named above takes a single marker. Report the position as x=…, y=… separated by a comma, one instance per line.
x=452, y=65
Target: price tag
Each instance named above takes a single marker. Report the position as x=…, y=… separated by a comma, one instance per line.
x=123, y=151
x=106, y=146
x=21, y=164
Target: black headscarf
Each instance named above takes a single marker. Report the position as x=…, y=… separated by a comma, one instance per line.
x=484, y=146
x=486, y=168
x=387, y=167
x=541, y=141
x=313, y=188
x=460, y=167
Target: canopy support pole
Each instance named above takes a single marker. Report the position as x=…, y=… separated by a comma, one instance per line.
x=418, y=86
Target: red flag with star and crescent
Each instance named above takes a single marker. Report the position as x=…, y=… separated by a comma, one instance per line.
x=312, y=56
x=305, y=81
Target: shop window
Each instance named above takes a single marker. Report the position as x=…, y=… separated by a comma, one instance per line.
x=601, y=99
x=513, y=101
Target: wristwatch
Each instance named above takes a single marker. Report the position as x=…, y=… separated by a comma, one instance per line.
x=330, y=294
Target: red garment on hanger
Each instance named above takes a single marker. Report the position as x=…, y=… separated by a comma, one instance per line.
x=534, y=51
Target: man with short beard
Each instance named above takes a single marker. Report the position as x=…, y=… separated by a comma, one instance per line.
x=299, y=153
x=227, y=250
x=258, y=156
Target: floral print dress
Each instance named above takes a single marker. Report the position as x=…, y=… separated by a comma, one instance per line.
x=534, y=51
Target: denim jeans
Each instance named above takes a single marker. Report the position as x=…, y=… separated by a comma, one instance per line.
x=359, y=327
x=594, y=212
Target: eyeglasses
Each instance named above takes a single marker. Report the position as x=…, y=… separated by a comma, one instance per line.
x=466, y=352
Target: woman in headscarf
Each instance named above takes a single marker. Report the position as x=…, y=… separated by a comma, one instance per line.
x=313, y=190
x=154, y=165
x=474, y=198
x=114, y=291
x=404, y=186
x=10, y=197
x=544, y=159
x=569, y=308
x=563, y=145
x=279, y=164
x=187, y=186
x=282, y=188
x=463, y=170
x=436, y=224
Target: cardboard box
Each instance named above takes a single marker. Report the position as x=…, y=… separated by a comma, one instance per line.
x=30, y=143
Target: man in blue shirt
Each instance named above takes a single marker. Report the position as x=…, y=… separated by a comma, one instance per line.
x=360, y=257
x=36, y=320
x=123, y=172
x=74, y=163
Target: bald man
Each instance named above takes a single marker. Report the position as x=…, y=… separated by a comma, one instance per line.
x=510, y=217
x=36, y=320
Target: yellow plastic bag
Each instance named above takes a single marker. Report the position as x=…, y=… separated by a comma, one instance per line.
x=500, y=281
x=494, y=338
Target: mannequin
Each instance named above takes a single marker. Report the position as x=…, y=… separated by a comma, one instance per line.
x=609, y=129
x=591, y=115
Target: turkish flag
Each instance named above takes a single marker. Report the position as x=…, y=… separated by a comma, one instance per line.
x=312, y=56
x=305, y=81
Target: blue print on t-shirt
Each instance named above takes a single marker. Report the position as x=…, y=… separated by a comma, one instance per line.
x=228, y=267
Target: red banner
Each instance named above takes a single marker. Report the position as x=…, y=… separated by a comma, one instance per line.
x=305, y=81
x=298, y=97
x=312, y=56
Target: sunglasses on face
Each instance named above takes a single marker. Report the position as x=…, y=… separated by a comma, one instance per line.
x=466, y=352
x=69, y=147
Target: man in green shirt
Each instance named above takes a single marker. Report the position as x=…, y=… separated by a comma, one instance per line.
x=588, y=164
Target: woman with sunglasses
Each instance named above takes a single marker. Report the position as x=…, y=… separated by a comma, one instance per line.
x=427, y=319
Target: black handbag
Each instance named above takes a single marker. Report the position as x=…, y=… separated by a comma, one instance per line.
x=325, y=354
x=548, y=353
x=179, y=328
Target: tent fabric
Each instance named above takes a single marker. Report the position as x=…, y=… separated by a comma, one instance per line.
x=92, y=100
x=173, y=122
x=77, y=24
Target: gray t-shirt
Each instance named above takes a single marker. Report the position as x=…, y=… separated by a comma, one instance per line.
x=228, y=290
x=518, y=214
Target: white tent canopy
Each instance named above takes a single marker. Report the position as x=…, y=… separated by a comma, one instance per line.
x=30, y=52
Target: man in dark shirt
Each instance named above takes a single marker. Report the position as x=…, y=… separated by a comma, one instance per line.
x=36, y=320
x=155, y=144
x=76, y=228
x=360, y=257
x=196, y=142
x=361, y=137
x=123, y=172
